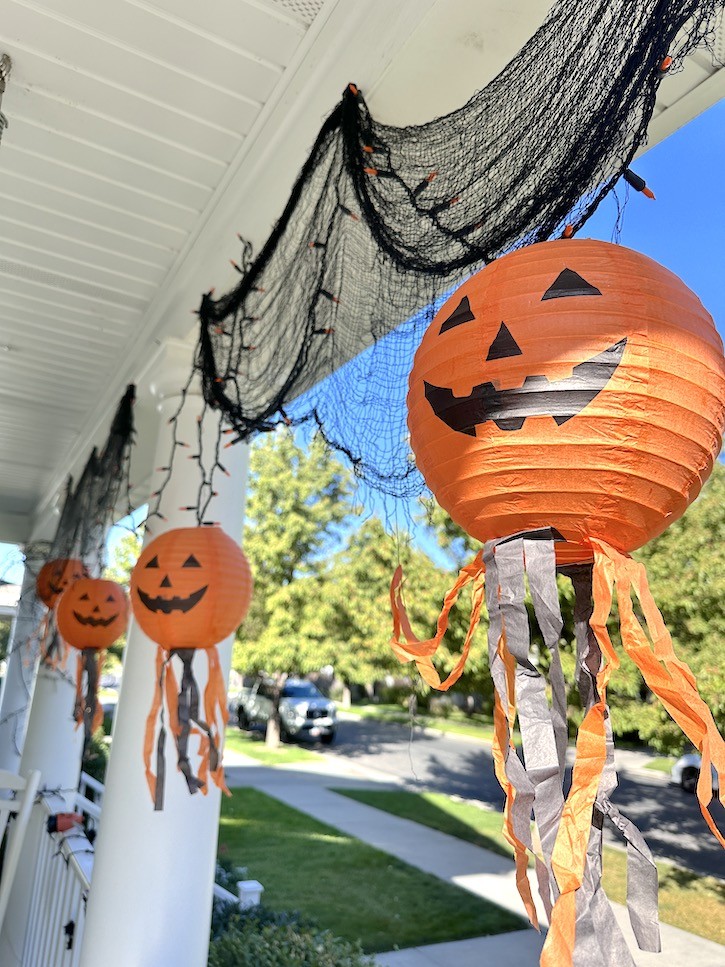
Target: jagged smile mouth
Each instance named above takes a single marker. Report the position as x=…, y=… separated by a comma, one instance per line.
x=94, y=622
x=537, y=396
x=167, y=605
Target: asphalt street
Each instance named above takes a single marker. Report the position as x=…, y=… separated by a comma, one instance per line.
x=669, y=818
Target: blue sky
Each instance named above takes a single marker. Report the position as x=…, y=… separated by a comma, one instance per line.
x=684, y=228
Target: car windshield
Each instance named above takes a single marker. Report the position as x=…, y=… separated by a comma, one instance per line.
x=301, y=690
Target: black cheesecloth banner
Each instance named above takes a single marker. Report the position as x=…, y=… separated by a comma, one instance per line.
x=382, y=221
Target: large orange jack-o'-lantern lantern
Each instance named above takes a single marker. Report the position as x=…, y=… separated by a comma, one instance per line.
x=565, y=406
x=575, y=385
x=91, y=614
x=190, y=589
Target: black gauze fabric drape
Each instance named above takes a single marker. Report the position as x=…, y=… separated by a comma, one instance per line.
x=384, y=220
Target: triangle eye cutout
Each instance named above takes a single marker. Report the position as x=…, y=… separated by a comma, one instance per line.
x=191, y=561
x=462, y=313
x=109, y=598
x=504, y=345
x=569, y=283
x=83, y=597
x=154, y=562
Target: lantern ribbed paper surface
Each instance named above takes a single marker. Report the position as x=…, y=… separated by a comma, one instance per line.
x=55, y=576
x=572, y=384
x=191, y=587
x=92, y=613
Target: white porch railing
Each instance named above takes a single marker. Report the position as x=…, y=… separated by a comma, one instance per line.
x=62, y=879
x=58, y=902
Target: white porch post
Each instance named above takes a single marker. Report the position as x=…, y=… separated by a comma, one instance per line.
x=22, y=661
x=159, y=866
x=53, y=745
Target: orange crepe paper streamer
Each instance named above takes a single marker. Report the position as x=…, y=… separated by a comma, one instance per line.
x=98, y=714
x=204, y=754
x=669, y=678
x=151, y=722
x=215, y=703
x=411, y=648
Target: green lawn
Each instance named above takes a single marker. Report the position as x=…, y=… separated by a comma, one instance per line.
x=481, y=827
x=252, y=744
x=348, y=887
x=691, y=902
x=662, y=764
x=478, y=726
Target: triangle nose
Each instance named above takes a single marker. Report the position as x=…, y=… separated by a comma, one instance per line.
x=96, y=609
x=166, y=583
x=504, y=345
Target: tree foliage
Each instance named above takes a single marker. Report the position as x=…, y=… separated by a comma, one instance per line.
x=5, y=628
x=123, y=557
x=686, y=570
x=299, y=501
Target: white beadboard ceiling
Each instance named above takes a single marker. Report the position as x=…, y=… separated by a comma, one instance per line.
x=144, y=133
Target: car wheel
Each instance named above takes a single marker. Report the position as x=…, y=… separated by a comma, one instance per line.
x=284, y=735
x=689, y=779
x=242, y=719
x=328, y=738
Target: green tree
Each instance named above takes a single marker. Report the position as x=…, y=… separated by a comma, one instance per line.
x=5, y=627
x=124, y=556
x=347, y=621
x=298, y=505
x=686, y=571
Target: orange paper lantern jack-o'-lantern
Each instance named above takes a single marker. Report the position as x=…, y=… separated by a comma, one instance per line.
x=53, y=579
x=575, y=385
x=565, y=406
x=91, y=614
x=190, y=589
x=55, y=576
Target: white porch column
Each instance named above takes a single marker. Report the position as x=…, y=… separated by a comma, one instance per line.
x=159, y=866
x=22, y=661
x=53, y=745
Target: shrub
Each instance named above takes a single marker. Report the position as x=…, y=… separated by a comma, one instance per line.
x=96, y=758
x=227, y=917
x=291, y=945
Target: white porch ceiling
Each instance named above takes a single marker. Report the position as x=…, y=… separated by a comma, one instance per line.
x=144, y=133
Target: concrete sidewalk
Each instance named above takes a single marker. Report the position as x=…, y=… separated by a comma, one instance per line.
x=305, y=786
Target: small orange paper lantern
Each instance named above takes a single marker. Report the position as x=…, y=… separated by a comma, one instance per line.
x=92, y=613
x=572, y=384
x=191, y=588
x=55, y=576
